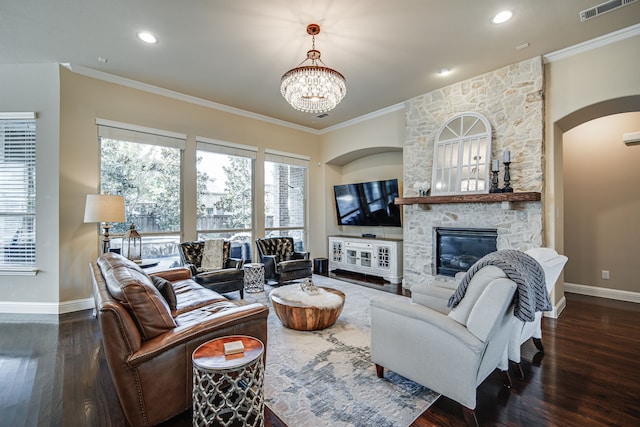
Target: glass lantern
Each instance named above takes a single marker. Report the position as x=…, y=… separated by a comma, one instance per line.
x=132, y=245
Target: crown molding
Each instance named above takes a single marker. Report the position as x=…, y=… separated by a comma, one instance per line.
x=134, y=84
x=601, y=41
x=364, y=118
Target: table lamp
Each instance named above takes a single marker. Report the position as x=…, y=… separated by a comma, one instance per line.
x=104, y=208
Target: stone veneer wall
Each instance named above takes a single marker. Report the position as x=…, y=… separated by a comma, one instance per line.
x=511, y=98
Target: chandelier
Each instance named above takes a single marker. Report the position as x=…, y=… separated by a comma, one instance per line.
x=313, y=88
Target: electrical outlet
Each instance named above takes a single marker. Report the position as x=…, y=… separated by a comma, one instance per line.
x=605, y=274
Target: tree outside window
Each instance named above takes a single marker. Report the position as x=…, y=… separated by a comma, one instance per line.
x=148, y=176
x=225, y=206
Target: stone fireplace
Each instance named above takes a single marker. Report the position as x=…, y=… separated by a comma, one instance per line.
x=511, y=98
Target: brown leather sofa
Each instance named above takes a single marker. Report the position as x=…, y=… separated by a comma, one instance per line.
x=151, y=324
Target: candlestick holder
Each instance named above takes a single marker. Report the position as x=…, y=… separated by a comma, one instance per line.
x=494, y=183
x=507, y=179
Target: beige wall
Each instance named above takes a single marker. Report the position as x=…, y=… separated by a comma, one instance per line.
x=580, y=88
x=602, y=203
x=84, y=99
x=35, y=88
x=382, y=133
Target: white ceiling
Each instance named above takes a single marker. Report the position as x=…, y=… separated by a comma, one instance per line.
x=234, y=52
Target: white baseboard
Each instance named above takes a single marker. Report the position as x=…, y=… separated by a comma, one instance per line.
x=77, y=305
x=20, y=307
x=596, y=291
x=557, y=309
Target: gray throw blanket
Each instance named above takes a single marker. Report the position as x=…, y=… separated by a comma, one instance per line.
x=525, y=271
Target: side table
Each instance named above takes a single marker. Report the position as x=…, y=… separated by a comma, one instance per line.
x=321, y=266
x=228, y=390
x=253, y=277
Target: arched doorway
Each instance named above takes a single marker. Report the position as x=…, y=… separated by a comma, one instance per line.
x=556, y=209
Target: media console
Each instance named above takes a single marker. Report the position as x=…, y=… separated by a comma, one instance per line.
x=376, y=257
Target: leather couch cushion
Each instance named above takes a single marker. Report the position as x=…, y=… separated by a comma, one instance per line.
x=205, y=312
x=166, y=290
x=111, y=265
x=149, y=308
x=134, y=289
x=190, y=295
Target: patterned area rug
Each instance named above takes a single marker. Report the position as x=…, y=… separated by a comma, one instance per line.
x=326, y=378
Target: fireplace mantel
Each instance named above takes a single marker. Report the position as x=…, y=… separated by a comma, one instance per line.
x=530, y=196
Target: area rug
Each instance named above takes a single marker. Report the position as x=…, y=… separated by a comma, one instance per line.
x=326, y=378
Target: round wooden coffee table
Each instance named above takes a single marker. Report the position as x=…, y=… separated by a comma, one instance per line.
x=305, y=311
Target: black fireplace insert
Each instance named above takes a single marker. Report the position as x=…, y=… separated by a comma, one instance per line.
x=457, y=249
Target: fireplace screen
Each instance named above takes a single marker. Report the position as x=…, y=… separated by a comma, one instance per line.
x=457, y=249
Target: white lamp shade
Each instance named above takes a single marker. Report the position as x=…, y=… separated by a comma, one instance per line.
x=104, y=208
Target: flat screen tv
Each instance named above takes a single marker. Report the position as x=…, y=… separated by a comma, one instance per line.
x=368, y=203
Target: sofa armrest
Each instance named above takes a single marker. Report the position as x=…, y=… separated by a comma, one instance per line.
x=301, y=255
x=175, y=274
x=234, y=263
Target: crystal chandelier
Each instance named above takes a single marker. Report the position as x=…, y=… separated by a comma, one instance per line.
x=313, y=88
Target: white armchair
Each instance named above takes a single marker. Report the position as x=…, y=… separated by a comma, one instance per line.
x=448, y=353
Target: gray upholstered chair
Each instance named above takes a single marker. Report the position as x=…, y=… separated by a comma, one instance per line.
x=281, y=262
x=436, y=294
x=448, y=353
x=229, y=278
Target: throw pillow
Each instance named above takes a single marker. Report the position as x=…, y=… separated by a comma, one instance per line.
x=212, y=255
x=166, y=290
x=149, y=307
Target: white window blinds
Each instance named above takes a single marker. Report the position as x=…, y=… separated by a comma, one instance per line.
x=286, y=158
x=143, y=135
x=223, y=147
x=17, y=190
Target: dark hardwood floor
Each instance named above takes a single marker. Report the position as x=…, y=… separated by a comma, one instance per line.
x=53, y=373
x=588, y=375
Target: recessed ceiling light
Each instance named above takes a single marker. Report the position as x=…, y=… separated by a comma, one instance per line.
x=445, y=71
x=502, y=17
x=147, y=37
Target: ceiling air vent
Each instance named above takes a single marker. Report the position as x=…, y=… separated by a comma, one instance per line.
x=322, y=115
x=605, y=7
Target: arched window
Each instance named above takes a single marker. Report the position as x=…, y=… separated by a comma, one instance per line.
x=461, y=157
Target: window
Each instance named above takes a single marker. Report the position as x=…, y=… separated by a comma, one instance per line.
x=461, y=157
x=143, y=165
x=286, y=197
x=225, y=194
x=17, y=191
